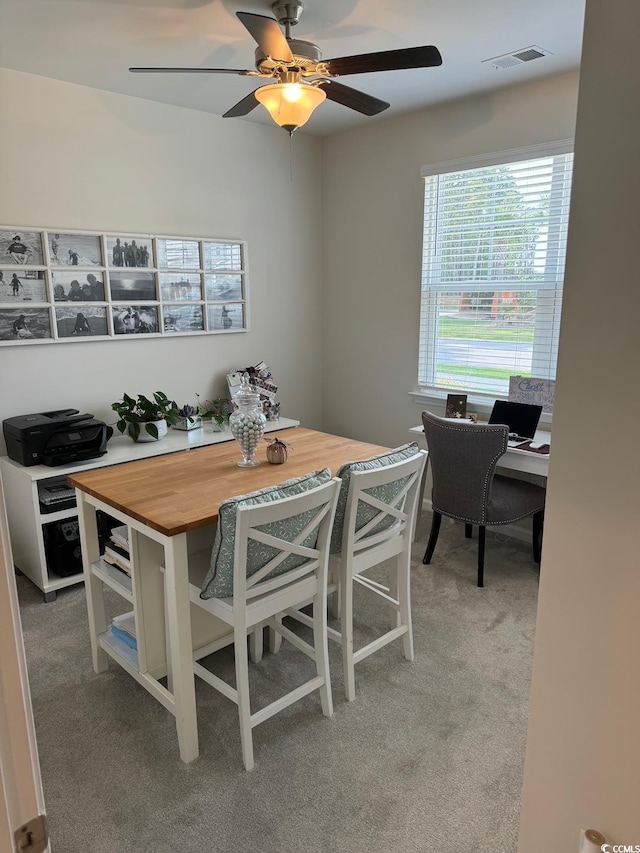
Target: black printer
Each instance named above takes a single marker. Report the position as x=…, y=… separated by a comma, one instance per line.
x=54, y=438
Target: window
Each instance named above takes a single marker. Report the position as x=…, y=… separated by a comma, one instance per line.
x=495, y=236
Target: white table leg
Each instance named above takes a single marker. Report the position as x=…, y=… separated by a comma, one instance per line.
x=93, y=586
x=179, y=644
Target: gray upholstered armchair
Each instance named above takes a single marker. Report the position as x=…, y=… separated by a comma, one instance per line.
x=463, y=458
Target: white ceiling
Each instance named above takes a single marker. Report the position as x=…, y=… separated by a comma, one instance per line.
x=93, y=43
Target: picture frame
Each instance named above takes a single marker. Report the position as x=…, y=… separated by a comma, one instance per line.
x=68, y=285
x=20, y=247
x=25, y=324
x=68, y=249
x=81, y=321
x=19, y=285
x=227, y=317
x=220, y=255
x=77, y=286
x=126, y=250
x=456, y=406
x=183, y=318
x=223, y=287
x=180, y=287
x=179, y=254
x=133, y=286
x=135, y=319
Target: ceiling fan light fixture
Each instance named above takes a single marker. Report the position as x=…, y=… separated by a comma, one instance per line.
x=290, y=105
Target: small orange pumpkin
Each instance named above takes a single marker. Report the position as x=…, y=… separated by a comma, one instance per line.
x=277, y=451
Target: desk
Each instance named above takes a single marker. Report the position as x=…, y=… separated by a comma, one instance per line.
x=513, y=460
x=170, y=506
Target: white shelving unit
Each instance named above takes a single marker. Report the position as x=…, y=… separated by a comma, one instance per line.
x=25, y=513
x=145, y=591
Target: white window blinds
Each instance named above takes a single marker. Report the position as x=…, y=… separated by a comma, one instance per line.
x=495, y=234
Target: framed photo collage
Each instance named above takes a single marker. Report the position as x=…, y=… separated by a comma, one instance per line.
x=62, y=286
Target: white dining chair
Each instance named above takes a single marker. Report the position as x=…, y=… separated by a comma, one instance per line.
x=271, y=553
x=375, y=521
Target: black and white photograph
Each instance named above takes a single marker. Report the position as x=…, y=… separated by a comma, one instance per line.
x=21, y=247
x=135, y=319
x=222, y=256
x=183, y=318
x=77, y=286
x=23, y=324
x=223, y=287
x=19, y=285
x=74, y=250
x=178, y=254
x=84, y=321
x=133, y=286
x=225, y=317
x=180, y=287
x=129, y=251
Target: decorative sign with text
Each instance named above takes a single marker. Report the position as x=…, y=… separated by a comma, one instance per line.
x=527, y=389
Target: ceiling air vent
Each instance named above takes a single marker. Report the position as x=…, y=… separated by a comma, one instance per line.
x=518, y=57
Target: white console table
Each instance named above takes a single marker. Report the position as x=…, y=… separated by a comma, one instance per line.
x=22, y=487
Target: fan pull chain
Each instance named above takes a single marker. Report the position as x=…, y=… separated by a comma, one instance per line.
x=291, y=158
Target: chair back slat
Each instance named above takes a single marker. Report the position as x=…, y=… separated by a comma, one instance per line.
x=289, y=578
x=463, y=458
x=270, y=525
x=285, y=546
x=391, y=519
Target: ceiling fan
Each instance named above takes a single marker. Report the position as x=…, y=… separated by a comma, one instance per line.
x=303, y=78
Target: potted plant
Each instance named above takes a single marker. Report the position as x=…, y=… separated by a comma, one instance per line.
x=190, y=417
x=218, y=412
x=144, y=419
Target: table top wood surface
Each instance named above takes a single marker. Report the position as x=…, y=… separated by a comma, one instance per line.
x=182, y=491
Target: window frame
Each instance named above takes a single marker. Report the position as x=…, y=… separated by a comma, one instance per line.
x=553, y=288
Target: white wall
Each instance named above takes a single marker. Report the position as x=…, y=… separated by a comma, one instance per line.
x=372, y=208
x=78, y=158
x=583, y=750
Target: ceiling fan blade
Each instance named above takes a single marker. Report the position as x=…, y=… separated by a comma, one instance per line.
x=385, y=60
x=352, y=98
x=243, y=107
x=268, y=35
x=191, y=71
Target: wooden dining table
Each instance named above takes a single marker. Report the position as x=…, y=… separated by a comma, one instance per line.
x=169, y=505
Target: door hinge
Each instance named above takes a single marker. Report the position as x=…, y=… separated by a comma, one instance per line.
x=33, y=836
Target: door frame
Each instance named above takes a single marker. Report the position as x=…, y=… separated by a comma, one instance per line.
x=21, y=794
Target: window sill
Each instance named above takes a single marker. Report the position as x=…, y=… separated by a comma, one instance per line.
x=475, y=403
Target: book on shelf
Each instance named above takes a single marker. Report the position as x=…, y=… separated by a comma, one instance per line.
x=118, y=549
x=124, y=628
x=119, y=560
x=120, y=536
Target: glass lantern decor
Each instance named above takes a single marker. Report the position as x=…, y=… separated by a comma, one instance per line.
x=247, y=422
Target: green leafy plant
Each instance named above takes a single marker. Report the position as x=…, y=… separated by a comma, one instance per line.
x=136, y=413
x=218, y=410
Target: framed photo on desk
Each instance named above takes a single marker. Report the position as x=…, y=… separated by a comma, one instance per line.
x=456, y=406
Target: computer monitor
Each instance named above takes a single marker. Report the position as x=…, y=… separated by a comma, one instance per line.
x=521, y=418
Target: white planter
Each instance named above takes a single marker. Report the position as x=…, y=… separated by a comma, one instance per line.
x=185, y=423
x=146, y=436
